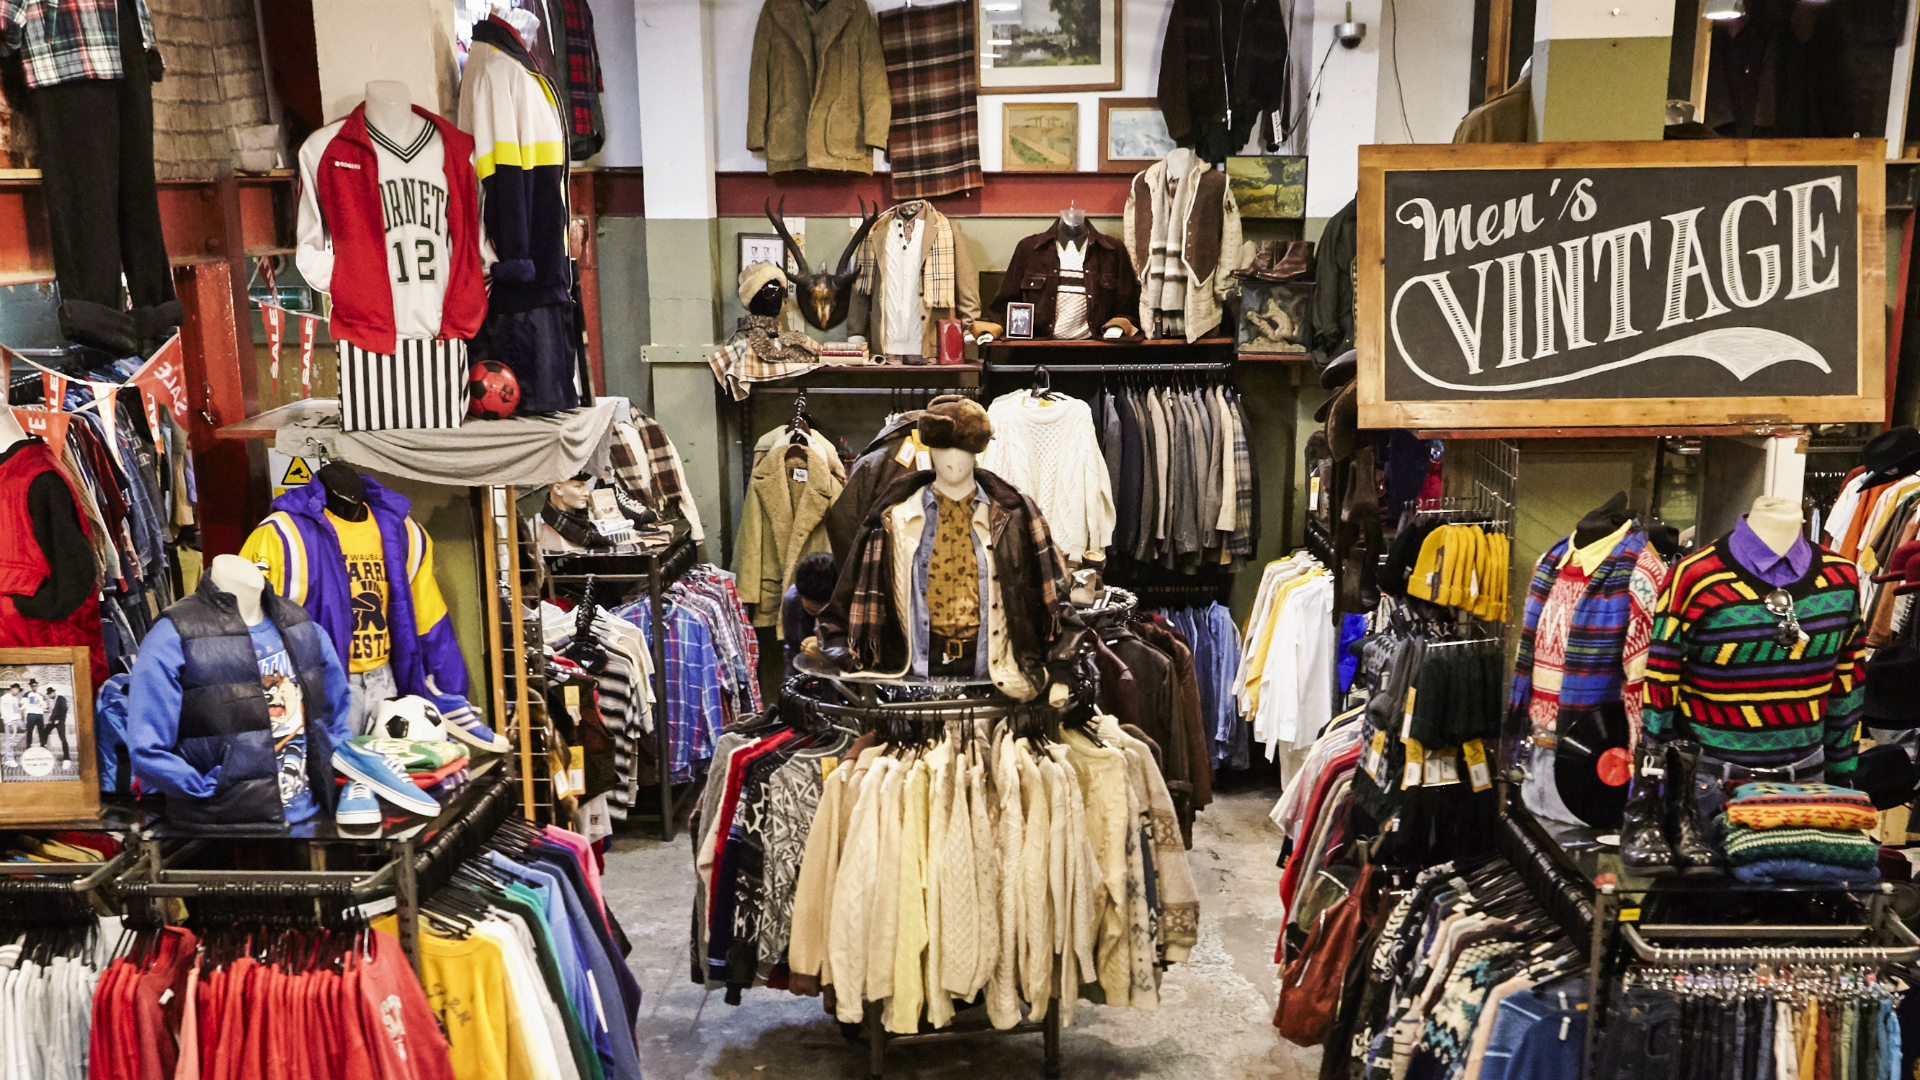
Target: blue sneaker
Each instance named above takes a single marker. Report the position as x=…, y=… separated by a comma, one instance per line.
x=462, y=721
x=385, y=776
x=357, y=806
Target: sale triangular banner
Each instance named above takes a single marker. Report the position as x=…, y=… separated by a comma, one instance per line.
x=51, y=426
x=266, y=275
x=275, y=321
x=150, y=404
x=54, y=390
x=165, y=376
x=308, y=327
x=106, y=395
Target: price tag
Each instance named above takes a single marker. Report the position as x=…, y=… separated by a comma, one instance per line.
x=1441, y=768
x=827, y=765
x=1629, y=914
x=1478, y=771
x=1415, y=770
x=1375, y=759
x=572, y=696
x=923, y=461
x=1313, y=492
x=800, y=476
x=905, y=454
x=1406, y=721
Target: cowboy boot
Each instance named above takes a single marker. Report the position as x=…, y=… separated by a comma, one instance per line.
x=1693, y=855
x=1643, y=847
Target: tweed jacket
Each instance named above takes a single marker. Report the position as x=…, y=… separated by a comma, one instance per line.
x=832, y=117
x=1210, y=238
x=781, y=523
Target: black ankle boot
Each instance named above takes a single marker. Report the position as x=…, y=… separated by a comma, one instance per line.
x=1643, y=847
x=1692, y=854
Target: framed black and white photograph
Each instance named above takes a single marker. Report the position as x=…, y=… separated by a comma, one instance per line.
x=1049, y=46
x=761, y=247
x=47, y=767
x=1019, y=322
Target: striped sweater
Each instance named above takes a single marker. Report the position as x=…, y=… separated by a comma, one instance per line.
x=1715, y=674
x=1584, y=636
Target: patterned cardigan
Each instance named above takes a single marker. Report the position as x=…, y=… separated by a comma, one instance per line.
x=1602, y=657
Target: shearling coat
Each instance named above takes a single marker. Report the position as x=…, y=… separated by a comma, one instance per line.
x=781, y=523
x=1209, y=224
x=832, y=117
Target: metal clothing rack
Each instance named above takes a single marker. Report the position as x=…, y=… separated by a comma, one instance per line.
x=938, y=711
x=658, y=570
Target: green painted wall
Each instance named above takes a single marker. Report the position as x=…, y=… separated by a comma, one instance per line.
x=1615, y=88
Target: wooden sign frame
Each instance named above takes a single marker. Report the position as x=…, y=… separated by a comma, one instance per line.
x=76, y=798
x=1518, y=416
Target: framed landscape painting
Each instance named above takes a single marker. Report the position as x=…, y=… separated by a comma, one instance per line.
x=1133, y=134
x=1040, y=136
x=1269, y=185
x=1040, y=46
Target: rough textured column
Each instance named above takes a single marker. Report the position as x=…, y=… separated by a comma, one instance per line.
x=409, y=41
x=1600, y=69
x=675, y=71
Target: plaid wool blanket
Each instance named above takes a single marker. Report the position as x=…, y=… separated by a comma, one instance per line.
x=934, y=143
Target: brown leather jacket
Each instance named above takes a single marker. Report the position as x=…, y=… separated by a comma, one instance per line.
x=871, y=474
x=1026, y=577
x=1033, y=277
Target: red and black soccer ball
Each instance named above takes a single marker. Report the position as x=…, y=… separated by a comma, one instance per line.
x=492, y=390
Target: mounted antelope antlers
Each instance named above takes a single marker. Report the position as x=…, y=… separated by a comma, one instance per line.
x=824, y=296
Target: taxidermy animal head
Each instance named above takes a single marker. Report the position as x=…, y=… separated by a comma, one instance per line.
x=823, y=296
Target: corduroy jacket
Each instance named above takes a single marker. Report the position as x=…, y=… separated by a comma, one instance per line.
x=1033, y=277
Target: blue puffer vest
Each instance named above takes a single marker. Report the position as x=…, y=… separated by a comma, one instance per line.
x=223, y=709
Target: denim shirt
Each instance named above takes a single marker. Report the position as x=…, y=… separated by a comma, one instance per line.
x=922, y=556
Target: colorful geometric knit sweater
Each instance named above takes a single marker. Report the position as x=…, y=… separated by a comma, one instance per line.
x=1715, y=674
x=1584, y=638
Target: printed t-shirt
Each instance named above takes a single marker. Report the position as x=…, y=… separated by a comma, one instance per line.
x=287, y=709
x=365, y=554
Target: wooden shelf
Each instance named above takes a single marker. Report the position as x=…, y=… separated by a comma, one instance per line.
x=267, y=425
x=1101, y=343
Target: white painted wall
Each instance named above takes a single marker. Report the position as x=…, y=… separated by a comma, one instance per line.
x=1358, y=96
x=678, y=83
x=1435, y=63
x=619, y=71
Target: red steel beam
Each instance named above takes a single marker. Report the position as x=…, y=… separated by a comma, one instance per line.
x=231, y=503
x=585, y=242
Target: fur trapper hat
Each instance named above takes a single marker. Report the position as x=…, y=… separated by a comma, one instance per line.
x=755, y=277
x=954, y=421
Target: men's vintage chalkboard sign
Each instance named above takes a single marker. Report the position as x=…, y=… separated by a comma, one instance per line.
x=1622, y=284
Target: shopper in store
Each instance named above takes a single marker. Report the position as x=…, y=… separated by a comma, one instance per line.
x=811, y=589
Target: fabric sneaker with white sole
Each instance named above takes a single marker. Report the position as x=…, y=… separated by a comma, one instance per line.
x=385, y=775
x=358, y=806
x=462, y=721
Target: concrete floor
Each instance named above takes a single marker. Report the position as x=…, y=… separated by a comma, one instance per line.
x=1215, y=1021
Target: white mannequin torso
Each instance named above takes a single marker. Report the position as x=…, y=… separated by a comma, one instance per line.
x=390, y=110
x=1776, y=522
x=244, y=580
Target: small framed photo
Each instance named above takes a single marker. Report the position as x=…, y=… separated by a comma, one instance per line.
x=1040, y=136
x=1019, y=322
x=1055, y=47
x=1133, y=134
x=761, y=247
x=48, y=771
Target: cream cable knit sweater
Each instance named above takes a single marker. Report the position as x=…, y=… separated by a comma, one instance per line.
x=1050, y=453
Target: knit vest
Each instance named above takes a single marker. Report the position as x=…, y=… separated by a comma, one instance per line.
x=224, y=719
x=1597, y=635
x=23, y=567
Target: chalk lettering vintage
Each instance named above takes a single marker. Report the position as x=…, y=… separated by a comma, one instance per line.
x=1662, y=281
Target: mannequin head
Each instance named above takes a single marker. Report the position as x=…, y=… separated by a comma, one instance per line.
x=571, y=494
x=952, y=471
x=390, y=109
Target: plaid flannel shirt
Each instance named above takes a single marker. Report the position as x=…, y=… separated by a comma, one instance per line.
x=67, y=40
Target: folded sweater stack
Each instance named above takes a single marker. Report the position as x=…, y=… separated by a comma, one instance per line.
x=1778, y=833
